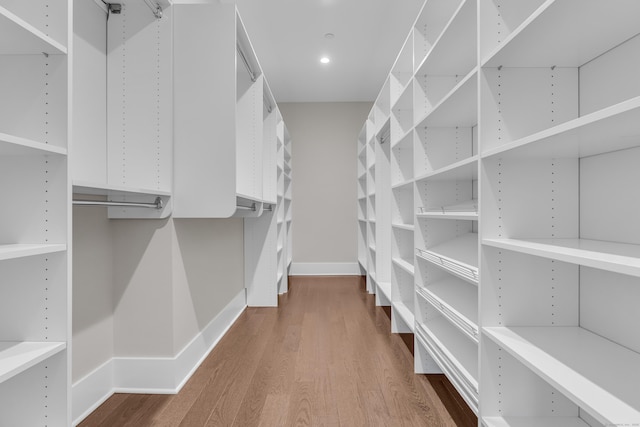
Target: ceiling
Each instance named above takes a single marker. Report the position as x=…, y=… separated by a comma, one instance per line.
x=288, y=37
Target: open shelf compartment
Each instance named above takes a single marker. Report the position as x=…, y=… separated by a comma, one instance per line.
x=570, y=359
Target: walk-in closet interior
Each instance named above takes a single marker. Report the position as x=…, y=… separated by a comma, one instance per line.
x=146, y=176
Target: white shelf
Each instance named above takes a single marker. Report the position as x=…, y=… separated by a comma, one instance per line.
x=613, y=128
x=14, y=251
x=407, y=227
x=457, y=300
x=456, y=355
x=405, y=313
x=567, y=33
x=401, y=185
x=467, y=210
x=458, y=256
x=19, y=37
x=405, y=265
x=458, y=36
x=615, y=257
x=458, y=108
x=596, y=374
x=17, y=357
x=466, y=169
x=533, y=422
x=385, y=289
x=99, y=189
x=11, y=145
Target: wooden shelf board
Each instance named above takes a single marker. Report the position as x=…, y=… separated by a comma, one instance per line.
x=385, y=289
x=19, y=37
x=533, y=422
x=463, y=248
x=459, y=351
x=466, y=169
x=457, y=300
x=11, y=145
x=467, y=210
x=17, y=357
x=405, y=313
x=100, y=189
x=616, y=127
x=596, y=374
x=610, y=256
x=407, y=227
x=14, y=251
x=555, y=35
x=403, y=186
x=458, y=36
x=458, y=108
x=405, y=265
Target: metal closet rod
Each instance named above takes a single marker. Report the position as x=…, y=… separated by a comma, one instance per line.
x=246, y=63
x=247, y=208
x=157, y=204
x=267, y=104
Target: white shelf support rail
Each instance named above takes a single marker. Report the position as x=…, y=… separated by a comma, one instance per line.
x=449, y=264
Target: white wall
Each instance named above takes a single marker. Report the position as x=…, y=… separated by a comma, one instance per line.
x=208, y=272
x=146, y=288
x=324, y=138
x=93, y=306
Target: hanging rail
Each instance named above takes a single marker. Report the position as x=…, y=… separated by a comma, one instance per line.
x=157, y=204
x=247, y=208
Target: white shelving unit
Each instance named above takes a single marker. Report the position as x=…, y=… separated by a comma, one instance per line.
x=240, y=164
x=35, y=293
x=123, y=142
x=219, y=169
x=518, y=133
x=558, y=87
x=361, y=169
x=446, y=199
x=401, y=176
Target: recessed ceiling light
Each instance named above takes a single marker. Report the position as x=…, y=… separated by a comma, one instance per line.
x=329, y=36
x=325, y=60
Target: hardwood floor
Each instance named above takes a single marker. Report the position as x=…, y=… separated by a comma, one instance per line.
x=325, y=357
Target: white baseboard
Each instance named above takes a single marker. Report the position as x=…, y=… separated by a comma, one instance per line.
x=156, y=375
x=91, y=391
x=325, y=269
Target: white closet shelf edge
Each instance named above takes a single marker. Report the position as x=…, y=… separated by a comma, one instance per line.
x=17, y=357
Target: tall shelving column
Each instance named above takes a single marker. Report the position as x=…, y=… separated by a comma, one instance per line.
x=228, y=134
x=283, y=282
x=288, y=199
x=560, y=145
x=446, y=194
x=400, y=154
x=372, y=287
x=361, y=208
x=35, y=321
x=218, y=169
x=261, y=246
x=381, y=201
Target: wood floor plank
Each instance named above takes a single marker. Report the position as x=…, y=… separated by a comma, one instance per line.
x=324, y=357
x=275, y=410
